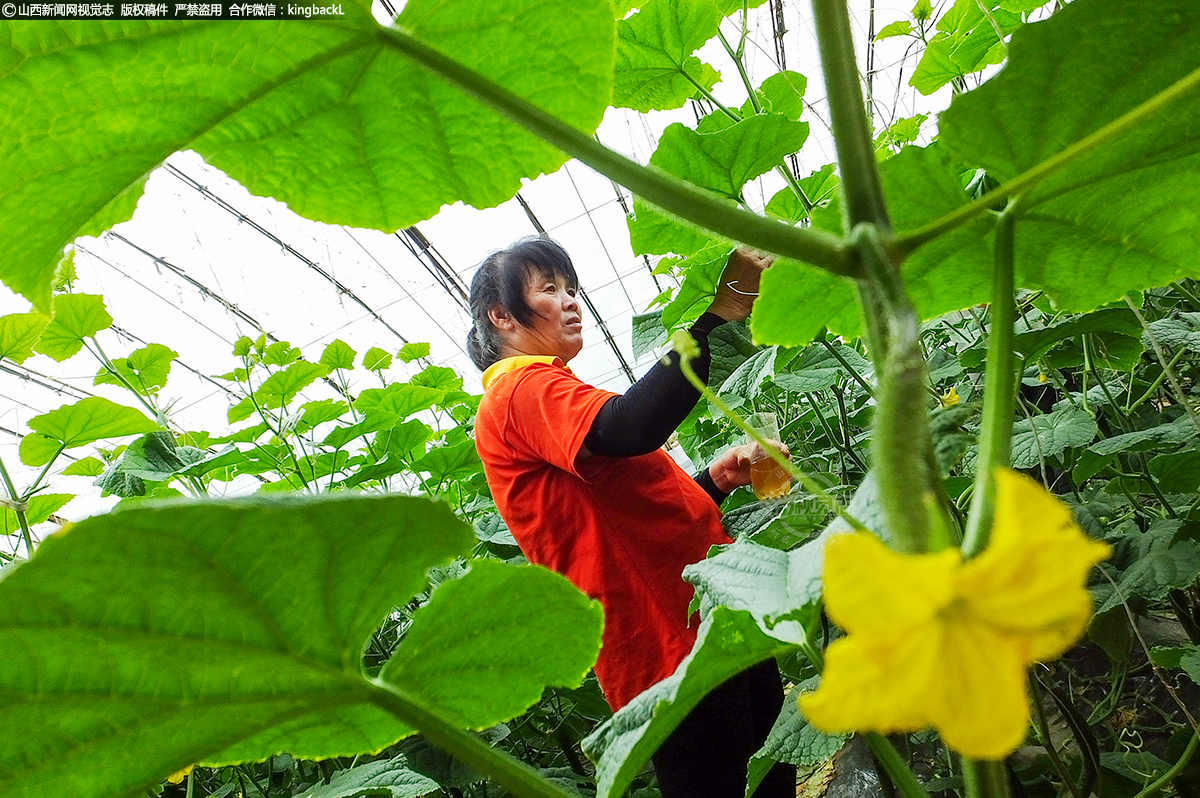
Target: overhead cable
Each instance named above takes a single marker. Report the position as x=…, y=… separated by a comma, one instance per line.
x=435, y=264
x=244, y=219
x=586, y=299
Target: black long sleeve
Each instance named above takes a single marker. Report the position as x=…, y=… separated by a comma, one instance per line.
x=643, y=418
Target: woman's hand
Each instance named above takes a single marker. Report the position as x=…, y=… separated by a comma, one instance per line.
x=731, y=469
x=738, y=286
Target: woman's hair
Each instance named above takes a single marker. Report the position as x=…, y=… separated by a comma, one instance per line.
x=501, y=280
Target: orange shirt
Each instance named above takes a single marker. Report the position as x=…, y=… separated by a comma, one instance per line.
x=621, y=529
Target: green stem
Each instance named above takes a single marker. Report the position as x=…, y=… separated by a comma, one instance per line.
x=984, y=779
x=807, y=482
x=1030, y=177
x=833, y=350
x=1039, y=717
x=848, y=117
x=675, y=196
x=902, y=777
x=1166, y=778
x=499, y=766
x=22, y=520
x=1180, y=396
x=45, y=470
x=902, y=442
x=1158, y=381
x=995, y=435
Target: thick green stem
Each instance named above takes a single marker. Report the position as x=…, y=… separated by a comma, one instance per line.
x=901, y=438
x=817, y=247
x=848, y=116
x=1030, y=177
x=995, y=435
x=497, y=765
x=902, y=777
x=985, y=779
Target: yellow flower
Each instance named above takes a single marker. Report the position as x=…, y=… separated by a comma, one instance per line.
x=949, y=398
x=177, y=778
x=932, y=641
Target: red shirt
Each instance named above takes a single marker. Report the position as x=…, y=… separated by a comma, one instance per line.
x=620, y=529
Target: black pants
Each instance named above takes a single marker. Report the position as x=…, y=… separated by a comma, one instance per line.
x=706, y=756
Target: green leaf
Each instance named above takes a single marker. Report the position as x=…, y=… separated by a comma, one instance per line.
x=386, y=778
x=817, y=368
x=728, y=642
x=317, y=114
x=146, y=368
x=19, y=332
x=1121, y=217
x=648, y=332
x=376, y=359
x=214, y=647
x=1178, y=472
x=399, y=400
x=651, y=232
x=154, y=457
x=898, y=28
x=76, y=316
x=440, y=377
x=320, y=412
x=746, y=380
x=241, y=411
x=1161, y=563
x=655, y=69
x=282, y=387
x=38, y=511
x=1033, y=344
x=280, y=353
x=794, y=741
x=701, y=273
x=520, y=627
x=723, y=162
x=444, y=462
x=777, y=588
x=1177, y=432
x=781, y=93
x=88, y=420
x=1048, y=435
x=338, y=355
x=85, y=467
x=819, y=187
x=410, y=352
x=1180, y=333
x=966, y=42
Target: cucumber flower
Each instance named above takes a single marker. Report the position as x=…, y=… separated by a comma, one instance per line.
x=933, y=641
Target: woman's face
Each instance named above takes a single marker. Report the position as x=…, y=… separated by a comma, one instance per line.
x=557, y=326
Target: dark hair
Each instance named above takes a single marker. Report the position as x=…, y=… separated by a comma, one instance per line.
x=501, y=280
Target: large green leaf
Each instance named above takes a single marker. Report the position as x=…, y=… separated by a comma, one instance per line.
x=385, y=778
x=966, y=42
x=399, y=400
x=88, y=420
x=338, y=355
x=520, y=605
x=145, y=369
x=282, y=387
x=320, y=114
x=655, y=69
x=1162, y=560
x=76, y=317
x=1126, y=215
x=18, y=334
x=794, y=741
x=1039, y=437
x=729, y=641
x=154, y=457
x=202, y=642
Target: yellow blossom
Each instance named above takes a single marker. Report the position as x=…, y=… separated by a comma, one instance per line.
x=949, y=398
x=177, y=778
x=932, y=641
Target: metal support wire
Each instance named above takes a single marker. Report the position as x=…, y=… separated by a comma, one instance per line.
x=44, y=381
x=612, y=343
x=243, y=218
x=416, y=243
x=230, y=307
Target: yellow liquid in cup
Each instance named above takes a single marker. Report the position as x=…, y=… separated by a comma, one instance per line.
x=769, y=479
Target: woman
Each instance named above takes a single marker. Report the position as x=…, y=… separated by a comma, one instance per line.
x=578, y=475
